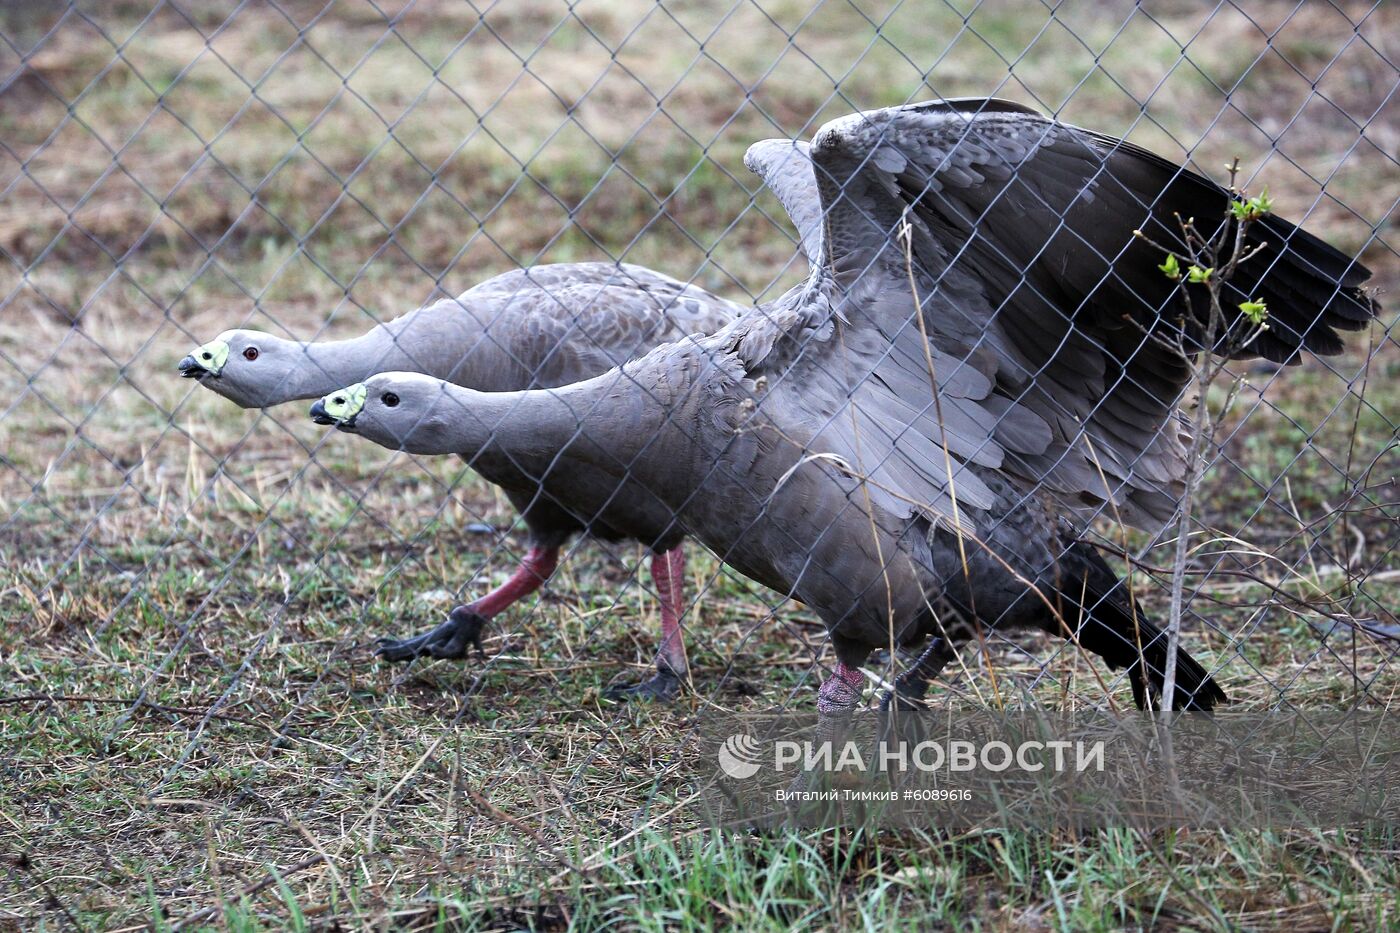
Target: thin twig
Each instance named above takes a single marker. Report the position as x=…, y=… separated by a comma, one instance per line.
x=480, y=800
x=267, y=882
x=132, y=701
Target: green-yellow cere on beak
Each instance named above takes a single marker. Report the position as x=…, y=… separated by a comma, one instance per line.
x=212, y=356
x=345, y=404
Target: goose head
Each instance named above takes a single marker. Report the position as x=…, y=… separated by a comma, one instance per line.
x=249, y=368
x=401, y=411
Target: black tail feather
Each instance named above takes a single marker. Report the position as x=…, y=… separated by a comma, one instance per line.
x=1108, y=626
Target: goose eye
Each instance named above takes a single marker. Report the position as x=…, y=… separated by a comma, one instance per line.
x=389, y=399
x=250, y=354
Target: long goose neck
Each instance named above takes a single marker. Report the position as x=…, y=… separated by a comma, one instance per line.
x=598, y=422
x=436, y=340
x=327, y=365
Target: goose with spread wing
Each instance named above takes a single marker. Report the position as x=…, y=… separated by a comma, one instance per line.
x=984, y=358
x=549, y=325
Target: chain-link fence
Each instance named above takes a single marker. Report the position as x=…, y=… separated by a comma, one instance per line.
x=194, y=584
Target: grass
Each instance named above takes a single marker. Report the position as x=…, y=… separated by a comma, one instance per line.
x=193, y=727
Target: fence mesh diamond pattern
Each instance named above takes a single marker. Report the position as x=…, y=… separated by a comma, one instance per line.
x=190, y=699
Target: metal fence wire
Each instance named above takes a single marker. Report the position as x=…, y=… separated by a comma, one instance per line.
x=193, y=584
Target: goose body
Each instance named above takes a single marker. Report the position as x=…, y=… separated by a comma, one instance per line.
x=920, y=433
x=546, y=326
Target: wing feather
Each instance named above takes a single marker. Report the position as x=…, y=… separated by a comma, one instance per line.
x=785, y=165
x=1013, y=236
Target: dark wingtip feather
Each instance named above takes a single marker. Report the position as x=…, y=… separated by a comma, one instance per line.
x=1312, y=289
x=1324, y=259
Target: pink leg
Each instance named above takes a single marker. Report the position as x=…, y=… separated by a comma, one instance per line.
x=462, y=630
x=840, y=693
x=668, y=573
x=534, y=570
x=836, y=701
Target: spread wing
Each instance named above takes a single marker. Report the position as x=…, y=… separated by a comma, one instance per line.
x=785, y=165
x=1014, y=236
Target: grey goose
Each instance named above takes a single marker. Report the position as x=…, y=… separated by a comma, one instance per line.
x=971, y=245
x=549, y=325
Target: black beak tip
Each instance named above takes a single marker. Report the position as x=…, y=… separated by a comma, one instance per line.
x=190, y=369
x=318, y=414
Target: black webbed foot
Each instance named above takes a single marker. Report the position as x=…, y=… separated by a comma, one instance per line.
x=450, y=640
x=911, y=687
x=903, y=699
x=662, y=687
